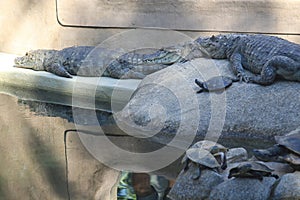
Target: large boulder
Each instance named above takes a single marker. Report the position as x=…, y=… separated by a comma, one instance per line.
x=166, y=103
x=243, y=188
x=185, y=188
x=288, y=187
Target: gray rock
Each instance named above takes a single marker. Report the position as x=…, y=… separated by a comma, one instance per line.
x=237, y=155
x=185, y=188
x=243, y=188
x=166, y=103
x=280, y=168
x=288, y=187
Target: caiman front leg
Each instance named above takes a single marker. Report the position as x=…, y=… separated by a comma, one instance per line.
x=121, y=69
x=57, y=69
x=237, y=67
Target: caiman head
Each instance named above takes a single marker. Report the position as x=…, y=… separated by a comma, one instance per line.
x=216, y=46
x=33, y=59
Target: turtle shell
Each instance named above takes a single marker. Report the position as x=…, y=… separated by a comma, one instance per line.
x=215, y=83
x=251, y=169
x=291, y=142
x=259, y=166
x=217, y=150
x=202, y=157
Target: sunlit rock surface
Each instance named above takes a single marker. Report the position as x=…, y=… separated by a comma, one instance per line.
x=166, y=103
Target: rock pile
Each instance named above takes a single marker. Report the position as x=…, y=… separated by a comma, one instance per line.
x=261, y=180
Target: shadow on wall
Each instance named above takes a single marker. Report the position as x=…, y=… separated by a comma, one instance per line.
x=47, y=163
x=3, y=189
x=32, y=162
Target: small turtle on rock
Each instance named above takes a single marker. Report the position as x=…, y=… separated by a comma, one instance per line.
x=202, y=158
x=287, y=150
x=216, y=149
x=204, y=154
x=215, y=84
x=252, y=169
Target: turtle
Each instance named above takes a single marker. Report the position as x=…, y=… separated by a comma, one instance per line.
x=287, y=150
x=252, y=169
x=202, y=158
x=216, y=149
x=214, y=84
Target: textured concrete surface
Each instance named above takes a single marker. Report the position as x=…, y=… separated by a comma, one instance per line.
x=273, y=16
x=88, y=178
x=33, y=161
x=33, y=24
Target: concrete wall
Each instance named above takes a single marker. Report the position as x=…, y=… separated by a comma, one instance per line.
x=268, y=16
x=31, y=24
x=33, y=161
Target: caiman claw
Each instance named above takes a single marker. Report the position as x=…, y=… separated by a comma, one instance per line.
x=243, y=77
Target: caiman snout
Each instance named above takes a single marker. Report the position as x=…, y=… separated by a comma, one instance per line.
x=18, y=60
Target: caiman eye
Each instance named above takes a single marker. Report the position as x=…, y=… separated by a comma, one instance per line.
x=26, y=54
x=214, y=39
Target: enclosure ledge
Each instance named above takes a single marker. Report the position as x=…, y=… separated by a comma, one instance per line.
x=101, y=93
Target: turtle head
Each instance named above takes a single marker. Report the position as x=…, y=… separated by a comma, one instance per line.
x=220, y=155
x=214, y=149
x=216, y=46
x=264, y=154
x=221, y=158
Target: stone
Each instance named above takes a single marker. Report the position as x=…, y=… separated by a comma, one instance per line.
x=166, y=103
x=243, y=188
x=288, y=187
x=187, y=188
x=280, y=169
x=236, y=155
